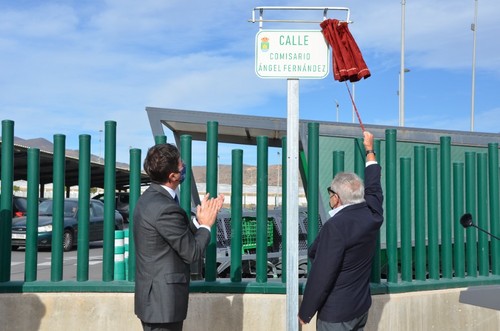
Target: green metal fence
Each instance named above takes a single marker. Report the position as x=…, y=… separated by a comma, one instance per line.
x=422, y=246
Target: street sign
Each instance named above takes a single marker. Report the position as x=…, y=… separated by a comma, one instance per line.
x=296, y=54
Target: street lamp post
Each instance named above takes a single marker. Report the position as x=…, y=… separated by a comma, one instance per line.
x=473, y=95
x=401, y=101
x=337, y=105
x=402, y=69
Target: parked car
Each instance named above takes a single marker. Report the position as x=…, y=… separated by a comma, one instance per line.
x=121, y=203
x=70, y=227
x=19, y=206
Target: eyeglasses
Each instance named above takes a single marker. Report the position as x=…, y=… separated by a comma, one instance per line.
x=331, y=192
x=182, y=169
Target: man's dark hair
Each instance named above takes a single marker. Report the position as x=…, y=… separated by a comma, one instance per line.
x=161, y=160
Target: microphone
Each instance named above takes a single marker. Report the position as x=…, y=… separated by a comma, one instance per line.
x=466, y=221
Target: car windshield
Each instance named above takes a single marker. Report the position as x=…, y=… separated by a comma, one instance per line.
x=45, y=208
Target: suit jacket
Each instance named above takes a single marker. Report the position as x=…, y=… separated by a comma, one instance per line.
x=166, y=243
x=338, y=285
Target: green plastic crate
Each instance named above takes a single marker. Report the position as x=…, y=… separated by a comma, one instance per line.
x=249, y=233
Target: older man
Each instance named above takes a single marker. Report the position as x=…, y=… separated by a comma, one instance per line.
x=338, y=285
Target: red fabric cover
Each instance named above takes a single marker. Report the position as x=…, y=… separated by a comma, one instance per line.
x=348, y=63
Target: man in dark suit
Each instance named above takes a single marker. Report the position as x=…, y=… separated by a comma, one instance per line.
x=167, y=242
x=338, y=285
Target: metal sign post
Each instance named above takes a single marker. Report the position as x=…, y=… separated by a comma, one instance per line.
x=294, y=55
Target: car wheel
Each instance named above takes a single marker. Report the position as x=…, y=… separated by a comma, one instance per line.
x=68, y=240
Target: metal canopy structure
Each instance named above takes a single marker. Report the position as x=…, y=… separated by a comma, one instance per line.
x=71, y=174
x=244, y=129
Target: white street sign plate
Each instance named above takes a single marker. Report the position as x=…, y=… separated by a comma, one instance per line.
x=291, y=54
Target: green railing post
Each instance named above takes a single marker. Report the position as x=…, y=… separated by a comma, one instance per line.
x=7, y=179
x=262, y=201
x=212, y=180
x=160, y=140
x=186, y=152
x=446, y=248
x=391, y=205
x=470, y=207
x=377, y=257
x=494, y=208
x=284, y=158
x=312, y=184
x=236, y=213
x=419, y=197
x=185, y=194
x=83, y=208
x=109, y=200
x=31, y=255
x=58, y=207
x=458, y=210
x=482, y=214
x=359, y=157
x=134, y=193
x=338, y=162
x=405, y=198
x=432, y=213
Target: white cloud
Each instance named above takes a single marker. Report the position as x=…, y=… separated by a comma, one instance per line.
x=70, y=67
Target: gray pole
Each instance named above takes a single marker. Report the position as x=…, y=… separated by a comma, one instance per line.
x=292, y=200
x=402, y=69
x=473, y=96
x=337, y=104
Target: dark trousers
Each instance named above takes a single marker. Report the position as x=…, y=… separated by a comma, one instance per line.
x=356, y=324
x=176, y=326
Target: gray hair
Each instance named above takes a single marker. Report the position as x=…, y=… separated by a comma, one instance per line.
x=349, y=187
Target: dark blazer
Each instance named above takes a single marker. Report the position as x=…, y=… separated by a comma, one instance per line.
x=166, y=243
x=338, y=285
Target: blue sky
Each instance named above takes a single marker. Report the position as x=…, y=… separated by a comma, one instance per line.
x=66, y=67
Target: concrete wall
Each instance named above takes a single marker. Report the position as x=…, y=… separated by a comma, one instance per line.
x=418, y=311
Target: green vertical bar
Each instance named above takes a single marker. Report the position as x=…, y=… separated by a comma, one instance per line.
x=32, y=214
x=185, y=195
x=212, y=175
x=82, y=272
x=432, y=213
x=109, y=201
x=312, y=184
x=186, y=152
x=446, y=248
x=494, y=208
x=283, y=209
x=377, y=257
x=7, y=178
x=458, y=210
x=58, y=208
x=160, y=140
x=391, y=205
x=359, y=157
x=420, y=239
x=135, y=192
x=262, y=196
x=236, y=213
x=338, y=162
x=482, y=214
x=470, y=207
x=405, y=198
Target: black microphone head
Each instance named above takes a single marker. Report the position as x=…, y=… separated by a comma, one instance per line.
x=466, y=220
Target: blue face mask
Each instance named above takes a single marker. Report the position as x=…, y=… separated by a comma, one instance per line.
x=183, y=173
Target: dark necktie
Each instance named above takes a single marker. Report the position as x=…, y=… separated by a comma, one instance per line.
x=176, y=199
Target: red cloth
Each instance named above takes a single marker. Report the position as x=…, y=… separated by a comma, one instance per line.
x=348, y=63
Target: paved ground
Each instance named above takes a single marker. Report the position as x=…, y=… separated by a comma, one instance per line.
x=69, y=263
